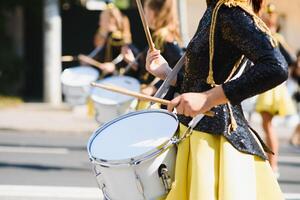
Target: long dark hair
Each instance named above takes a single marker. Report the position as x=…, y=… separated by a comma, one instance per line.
x=257, y=4
x=166, y=19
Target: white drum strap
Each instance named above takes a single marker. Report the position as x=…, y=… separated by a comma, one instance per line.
x=189, y=131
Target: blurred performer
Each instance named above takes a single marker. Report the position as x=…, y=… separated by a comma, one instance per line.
x=163, y=22
x=113, y=35
x=222, y=157
x=276, y=101
x=295, y=139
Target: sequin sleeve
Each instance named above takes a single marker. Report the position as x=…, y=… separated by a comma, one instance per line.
x=269, y=69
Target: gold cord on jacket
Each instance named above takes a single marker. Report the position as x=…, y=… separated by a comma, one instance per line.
x=243, y=4
x=114, y=40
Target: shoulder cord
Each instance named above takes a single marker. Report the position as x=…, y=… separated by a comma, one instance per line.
x=210, y=79
x=108, y=50
x=243, y=4
x=111, y=42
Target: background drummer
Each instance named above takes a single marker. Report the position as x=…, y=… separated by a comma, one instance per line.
x=112, y=35
x=163, y=22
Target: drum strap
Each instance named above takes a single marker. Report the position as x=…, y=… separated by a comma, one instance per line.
x=163, y=89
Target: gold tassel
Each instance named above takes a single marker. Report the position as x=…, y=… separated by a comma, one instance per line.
x=243, y=4
x=234, y=125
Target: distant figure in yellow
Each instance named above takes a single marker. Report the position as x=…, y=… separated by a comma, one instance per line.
x=276, y=101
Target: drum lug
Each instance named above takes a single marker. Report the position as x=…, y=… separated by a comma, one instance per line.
x=99, y=177
x=174, y=140
x=163, y=173
x=106, y=197
x=97, y=173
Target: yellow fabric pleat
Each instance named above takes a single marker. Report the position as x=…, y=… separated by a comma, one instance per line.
x=276, y=101
x=90, y=108
x=208, y=167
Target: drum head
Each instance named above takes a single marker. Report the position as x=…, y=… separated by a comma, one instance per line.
x=107, y=97
x=132, y=135
x=79, y=76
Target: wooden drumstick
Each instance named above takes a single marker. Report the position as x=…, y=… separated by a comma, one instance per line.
x=145, y=25
x=138, y=95
x=130, y=93
x=90, y=61
x=68, y=58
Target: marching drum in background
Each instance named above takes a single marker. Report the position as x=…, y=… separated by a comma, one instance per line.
x=134, y=155
x=109, y=105
x=76, y=83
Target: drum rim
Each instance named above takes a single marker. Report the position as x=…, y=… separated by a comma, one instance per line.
x=79, y=66
x=137, y=159
x=94, y=97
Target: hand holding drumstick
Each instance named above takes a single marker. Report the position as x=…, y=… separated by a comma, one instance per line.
x=138, y=95
x=105, y=67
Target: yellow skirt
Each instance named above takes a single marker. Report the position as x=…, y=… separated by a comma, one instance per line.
x=208, y=167
x=276, y=101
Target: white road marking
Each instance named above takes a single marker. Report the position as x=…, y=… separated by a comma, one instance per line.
x=50, y=192
x=33, y=150
x=289, y=159
x=292, y=196
x=57, y=192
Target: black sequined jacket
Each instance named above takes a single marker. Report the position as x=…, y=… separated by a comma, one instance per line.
x=236, y=34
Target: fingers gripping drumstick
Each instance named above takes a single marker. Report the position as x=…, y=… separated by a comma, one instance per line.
x=145, y=25
x=138, y=95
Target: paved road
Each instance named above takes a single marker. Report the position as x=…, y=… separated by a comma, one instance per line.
x=54, y=166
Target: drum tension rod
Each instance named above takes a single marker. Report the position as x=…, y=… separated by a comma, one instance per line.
x=163, y=173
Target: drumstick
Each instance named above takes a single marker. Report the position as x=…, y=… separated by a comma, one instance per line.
x=145, y=25
x=131, y=93
x=68, y=58
x=138, y=95
x=90, y=61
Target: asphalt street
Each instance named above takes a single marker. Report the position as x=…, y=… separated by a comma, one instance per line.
x=53, y=166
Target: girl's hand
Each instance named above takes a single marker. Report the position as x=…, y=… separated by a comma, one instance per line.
x=192, y=104
x=108, y=67
x=128, y=54
x=157, y=65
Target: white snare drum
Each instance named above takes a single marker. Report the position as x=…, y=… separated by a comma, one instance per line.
x=110, y=105
x=134, y=155
x=76, y=83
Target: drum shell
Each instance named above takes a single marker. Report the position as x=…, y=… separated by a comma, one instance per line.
x=108, y=106
x=129, y=186
x=76, y=95
x=107, y=112
x=76, y=83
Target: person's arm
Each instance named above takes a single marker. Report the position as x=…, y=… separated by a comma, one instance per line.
x=269, y=69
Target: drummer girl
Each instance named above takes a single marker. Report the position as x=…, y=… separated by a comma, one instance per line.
x=113, y=34
x=162, y=19
x=223, y=158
